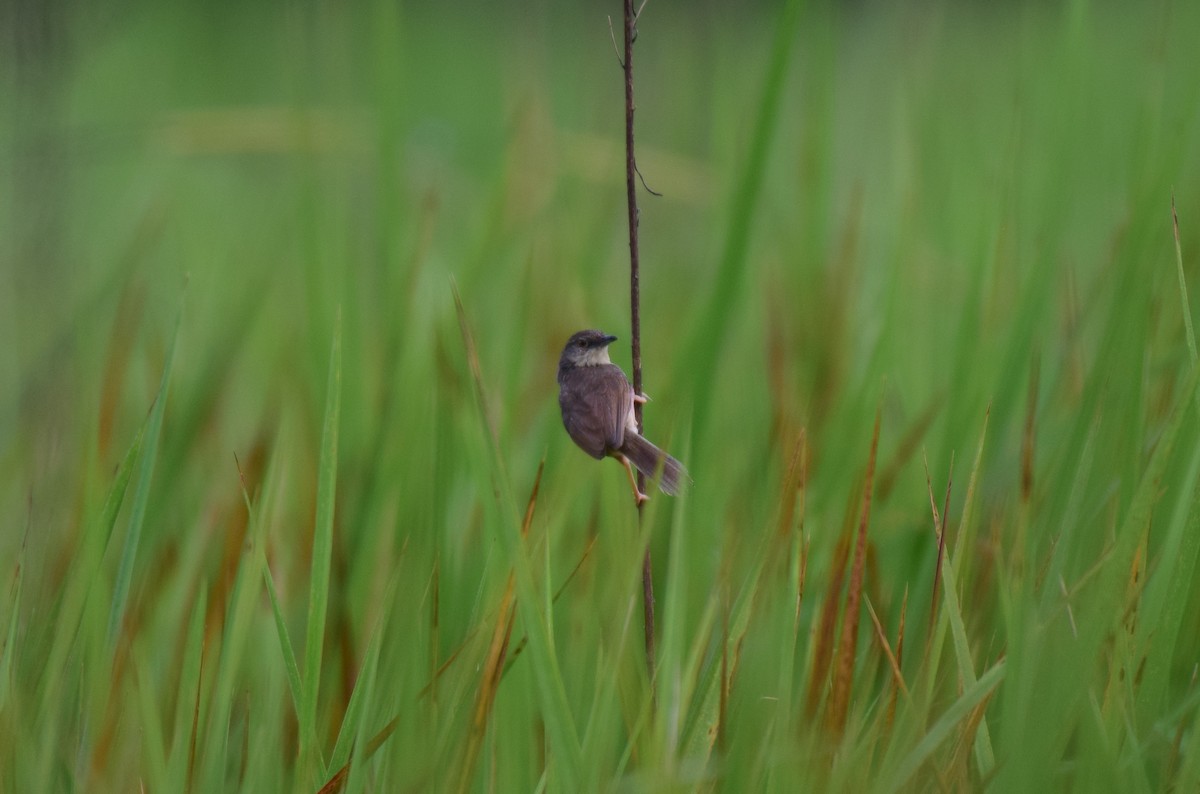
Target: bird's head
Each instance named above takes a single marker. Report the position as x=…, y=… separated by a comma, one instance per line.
x=586, y=349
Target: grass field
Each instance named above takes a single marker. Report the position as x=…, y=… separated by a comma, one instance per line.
x=277, y=515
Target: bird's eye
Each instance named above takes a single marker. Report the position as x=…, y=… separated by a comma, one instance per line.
x=583, y=343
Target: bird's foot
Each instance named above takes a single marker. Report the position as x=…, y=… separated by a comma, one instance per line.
x=638, y=496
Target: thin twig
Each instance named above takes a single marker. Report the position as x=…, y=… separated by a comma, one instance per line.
x=649, y=189
x=616, y=49
x=636, y=322
x=638, y=16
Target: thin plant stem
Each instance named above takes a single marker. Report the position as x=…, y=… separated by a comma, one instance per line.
x=635, y=316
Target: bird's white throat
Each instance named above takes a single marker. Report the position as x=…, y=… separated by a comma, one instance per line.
x=595, y=357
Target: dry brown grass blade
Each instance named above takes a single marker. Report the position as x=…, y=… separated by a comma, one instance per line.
x=489, y=680
x=493, y=668
x=932, y=502
x=891, y=710
x=827, y=626
x=939, y=531
x=893, y=659
x=941, y=537
x=899, y=685
x=843, y=677
x=958, y=774
x=794, y=487
x=802, y=552
x=338, y=781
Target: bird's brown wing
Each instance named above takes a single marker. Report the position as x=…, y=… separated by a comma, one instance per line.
x=595, y=404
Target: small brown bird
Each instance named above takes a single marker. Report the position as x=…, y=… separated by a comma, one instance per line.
x=597, y=410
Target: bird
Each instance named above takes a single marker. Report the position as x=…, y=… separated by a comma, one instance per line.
x=597, y=410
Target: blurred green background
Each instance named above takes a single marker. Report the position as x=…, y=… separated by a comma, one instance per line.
x=955, y=214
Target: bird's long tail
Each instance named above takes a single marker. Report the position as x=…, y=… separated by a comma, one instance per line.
x=649, y=460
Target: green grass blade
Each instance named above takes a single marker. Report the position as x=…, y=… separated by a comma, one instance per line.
x=141, y=496
x=697, y=365
x=116, y=493
x=8, y=649
x=1166, y=602
x=322, y=553
x=972, y=696
x=351, y=734
x=154, y=753
x=560, y=725
x=187, y=701
x=86, y=566
x=285, y=641
x=984, y=754
x=358, y=767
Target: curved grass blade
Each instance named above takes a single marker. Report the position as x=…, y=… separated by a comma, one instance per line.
x=141, y=496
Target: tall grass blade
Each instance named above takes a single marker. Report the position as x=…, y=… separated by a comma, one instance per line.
x=154, y=752
x=322, y=553
x=560, y=726
x=984, y=754
x=697, y=365
x=493, y=666
x=843, y=676
x=184, y=725
x=827, y=626
x=291, y=668
x=141, y=496
x=286, y=649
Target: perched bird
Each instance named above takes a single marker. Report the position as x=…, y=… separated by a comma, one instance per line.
x=597, y=410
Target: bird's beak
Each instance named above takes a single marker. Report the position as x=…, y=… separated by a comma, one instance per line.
x=608, y=340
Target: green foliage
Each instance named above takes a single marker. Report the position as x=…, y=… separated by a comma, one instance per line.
x=390, y=218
